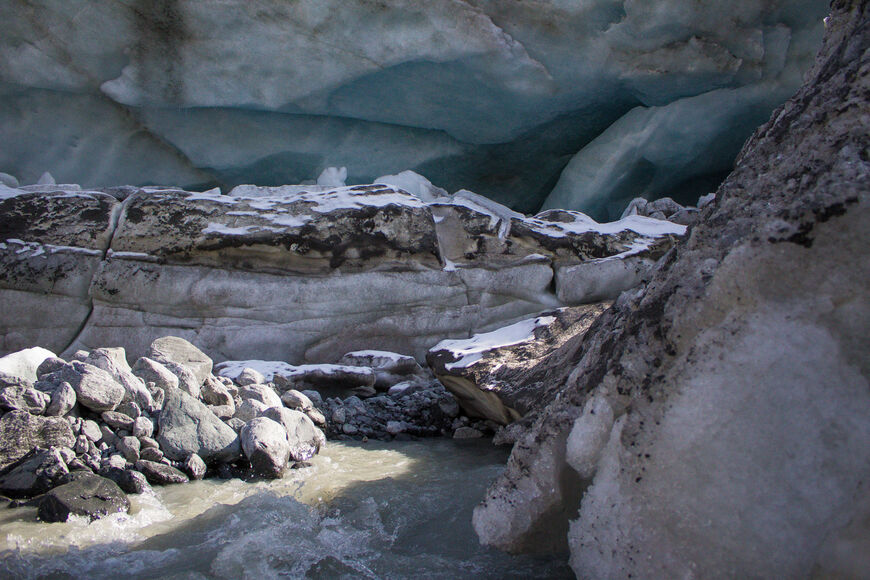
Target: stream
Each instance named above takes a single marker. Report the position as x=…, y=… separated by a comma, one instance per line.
x=362, y=510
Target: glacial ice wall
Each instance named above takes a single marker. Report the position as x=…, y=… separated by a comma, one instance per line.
x=493, y=95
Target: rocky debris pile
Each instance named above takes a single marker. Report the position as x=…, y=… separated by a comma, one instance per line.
x=280, y=273
x=504, y=374
x=666, y=208
x=166, y=419
x=372, y=395
x=715, y=423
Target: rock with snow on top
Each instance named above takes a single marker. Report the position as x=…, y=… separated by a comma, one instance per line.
x=24, y=363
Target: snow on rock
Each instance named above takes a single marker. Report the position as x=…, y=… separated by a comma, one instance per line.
x=284, y=272
x=333, y=177
x=503, y=374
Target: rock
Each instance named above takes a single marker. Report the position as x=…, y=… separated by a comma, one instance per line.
x=390, y=368
x=187, y=426
x=87, y=495
x=117, y=420
x=261, y=393
x=91, y=430
x=179, y=351
x=114, y=362
x=35, y=473
x=20, y=432
x=129, y=448
x=187, y=379
x=160, y=474
x=129, y=480
x=328, y=378
x=297, y=400
x=216, y=393
x=725, y=373
x=195, y=467
x=50, y=365
x=152, y=371
x=130, y=409
x=250, y=409
x=146, y=442
x=143, y=427
x=114, y=461
x=303, y=437
x=223, y=412
x=235, y=423
x=467, y=433
x=504, y=374
x=250, y=376
x=151, y=454
x=63, y=399
x=265, y=444
x=24, y=399
x=95, y=388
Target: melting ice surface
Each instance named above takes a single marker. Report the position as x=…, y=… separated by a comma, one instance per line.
x=372, y=510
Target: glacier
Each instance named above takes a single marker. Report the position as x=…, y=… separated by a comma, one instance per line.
x=496, y=96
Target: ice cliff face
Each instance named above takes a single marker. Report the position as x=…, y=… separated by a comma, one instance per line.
x=717, y=422
x=494, y=95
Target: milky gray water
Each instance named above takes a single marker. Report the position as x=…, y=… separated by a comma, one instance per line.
x=363, y=510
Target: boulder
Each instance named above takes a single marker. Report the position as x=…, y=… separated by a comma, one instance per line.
x=265, y=444
x=303, y=437
x=114, y=362
x=152, y=371
x=117, y=420
x=299, y=401
x=159, y=473
x=261, y=393
x=20, y=432
x=24, y=363
x=195, y=467
x=250, y=376
x=216, y=393
x=129, y=480
x=24, y=399
x=95, y=388
x=63, y=399
x=504, y=374
x=33, y=474
x=188, y=426
x=179, y=351
x=390, y=367
x=87, y=495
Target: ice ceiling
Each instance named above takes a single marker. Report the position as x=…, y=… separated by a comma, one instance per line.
x=582, y=104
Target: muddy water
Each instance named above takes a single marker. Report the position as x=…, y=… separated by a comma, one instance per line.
x=372, y=510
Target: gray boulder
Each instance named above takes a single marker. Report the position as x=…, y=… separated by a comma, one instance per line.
x=87, y=495
x=20, y=432
x=265, y=444
x=180, y=351
x=195, y=467
x=159, y=473
x=260, y=392
x=114, y=362
x=95, y=388
x=117, y=420
x=250, y=376
x=63, y=399
x=214, y=392
x=152, y=371
x=24, y=363
x=33, y=474
x=304, y=438
x=187, y=379
x=188, y=426
x=390, y=368
x=299, y=401
x=24, y=399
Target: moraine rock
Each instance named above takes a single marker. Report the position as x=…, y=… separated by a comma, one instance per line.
x=177, y=350
x=260, y=393
x=250, y=376
x=265, y=444
x=114, y=362
x=298, y=401
x=304, y=438
x=20, y=432
x=504, y=374
x=159, y=473
x=33, y=474
x=187, y=379
x=95, y=388
x=194, y=466
x=86, y=495
x=25, y=364
x=24, y=399
x=187, y=426
x=700, y=409
x=390, y=368
x=63, y=399
x=152, y=371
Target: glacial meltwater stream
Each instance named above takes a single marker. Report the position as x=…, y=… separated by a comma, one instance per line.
x=362, y=510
